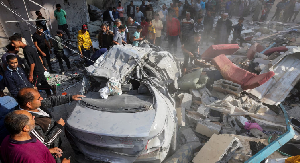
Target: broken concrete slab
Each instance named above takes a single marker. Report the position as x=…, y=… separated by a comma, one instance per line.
x=186, y=100
x=216, y=148
x=227, y=86
x=204, y=111
x=207, y=128
x=193, y=80
x=190, y=136
x=195, y=93
x=206, y=96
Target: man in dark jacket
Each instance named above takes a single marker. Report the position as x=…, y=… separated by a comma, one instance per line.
x=46, y=129
x=108, y=16
x=143, y=8
x=223, y=29
x=105, y=37
x=279, y=7
x=208, y=23
x=131, y=10
x=14, y=77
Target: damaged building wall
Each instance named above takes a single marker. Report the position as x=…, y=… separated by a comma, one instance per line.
x=77, y=14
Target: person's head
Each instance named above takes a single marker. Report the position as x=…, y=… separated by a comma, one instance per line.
x=241, y=20
x=139, y=28
x=143, y=20
x=103, y=27
x=16, y=41
x=58, y=7
x=39, y=29
x=165, y=6
x=19, y=122
x=84, y=28
x=131, y=3
x=122, y=28
x=149, y=22
x=110, y=8
x=171, y=5
x=170, y=13
x=156, y=17
x=118, y=22
x=120, y=3
x=225, y=16
x=29, y=99
x=188, y=15
x=208, y=13
x=130, y=21
x=186, y=2
x=143, y=2
x=137, y=9
x=107, y=27
x=180, y=4
x=199, y=20
x=176, y=5
x=114, y=9
x=59, y=33
x=197, y=38
x=10, y=48
x=12, y=62
x=38, y=14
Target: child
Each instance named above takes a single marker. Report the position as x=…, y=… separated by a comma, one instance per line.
x=152, y=32
x=136, y=36
x=237, y=32
x=118, y=36
x=198, y=26
x=145, y=26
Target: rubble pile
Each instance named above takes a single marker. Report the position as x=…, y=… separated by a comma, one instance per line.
x=235, y=99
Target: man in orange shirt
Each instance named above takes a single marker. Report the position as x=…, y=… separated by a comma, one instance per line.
x=176, y=9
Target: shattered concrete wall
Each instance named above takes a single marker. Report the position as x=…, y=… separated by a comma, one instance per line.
x=77, y=14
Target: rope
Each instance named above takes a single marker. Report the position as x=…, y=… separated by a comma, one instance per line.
x=34, y=26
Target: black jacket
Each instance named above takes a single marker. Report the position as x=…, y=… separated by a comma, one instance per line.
x=208, y=23
x=46, y=129
x=128, y=11
x=106, y=16
x=15, y=80
x=220, y=23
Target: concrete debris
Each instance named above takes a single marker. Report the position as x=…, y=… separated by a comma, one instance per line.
x=226, y=86
x=207, y=128
x=206, y=96
x=193, y=80
x=217, y=148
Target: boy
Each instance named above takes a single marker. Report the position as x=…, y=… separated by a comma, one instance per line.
x=59, y=51
x=136, y=36
x=118, y=36
x=191, y=51
x=198, y=26
x=145, y=26
x=237, y=32
x=152, y=32
x=14, y=77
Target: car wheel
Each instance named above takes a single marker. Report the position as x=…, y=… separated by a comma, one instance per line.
x=173, y=144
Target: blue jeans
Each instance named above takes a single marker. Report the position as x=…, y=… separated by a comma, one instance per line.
x=47, y=34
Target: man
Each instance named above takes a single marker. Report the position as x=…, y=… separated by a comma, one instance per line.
x=187, y=26
x=198, y=26
x=136, y=36
x=11, y=50
x=210, y=6
x=19, y=146
x=108, y=17
x=164, y=11
x=289, y=11
x=61, y=16
x=143, y=8
x=105, y=37
x=180, y=9
x=131, y=26
x=151, y=32
x=46, y=129
x=208, y=23
x=296, y=10
x=138, y=15
x=59, y=51
x=223, y=29
x=36, y=72
x=118, y=36
x=237, y=32
x=173, y=30
x=191, y=51
x=84, y=43
x=14, y=77
x=43, y=47
x=121, y=12
x=131, y=10
x=158, y=25
x=42, y=22
x=279, y=7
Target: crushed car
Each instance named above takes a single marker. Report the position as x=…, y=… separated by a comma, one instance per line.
x=136, y=121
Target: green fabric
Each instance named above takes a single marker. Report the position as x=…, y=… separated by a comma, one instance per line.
x=193, y=80
x=61, y=20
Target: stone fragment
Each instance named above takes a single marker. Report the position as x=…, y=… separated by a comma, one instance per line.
x=207, y=128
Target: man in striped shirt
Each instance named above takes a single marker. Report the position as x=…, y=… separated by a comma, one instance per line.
x=46, y=129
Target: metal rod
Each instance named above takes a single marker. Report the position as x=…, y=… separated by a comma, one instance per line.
x=24, y=21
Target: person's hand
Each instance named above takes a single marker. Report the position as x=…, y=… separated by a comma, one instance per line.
x=43, y=54
x=81, y=55
x=35, y=88
x=61, y=122
x=191, y=54
x=57, y=151
x=66, y=160
x=153, y=42
x=30, y=78
x=45, y=68
x=77, y=97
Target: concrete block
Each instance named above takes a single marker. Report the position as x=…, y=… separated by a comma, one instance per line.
x=186, y=100
x=189, y=135
x=204, y=111
x=181, y=116
x=228, y=130
x=206, y=96
x=195, y=93
x=227, y=86
x=216, y=148
x=207, y=128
